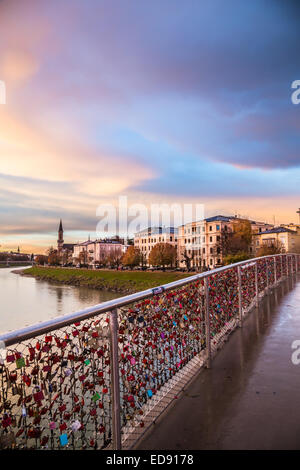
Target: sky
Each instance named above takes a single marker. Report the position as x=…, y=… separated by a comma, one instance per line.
x=162, y=101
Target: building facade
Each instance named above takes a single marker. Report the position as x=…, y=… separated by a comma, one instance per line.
x=98, y=252
x=199, y=243
x=281, y=236
x=146, y=239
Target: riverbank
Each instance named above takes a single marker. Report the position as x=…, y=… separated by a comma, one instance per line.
x=14, y=265
x=123, y=282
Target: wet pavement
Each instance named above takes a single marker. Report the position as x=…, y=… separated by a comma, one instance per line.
x=250, y=398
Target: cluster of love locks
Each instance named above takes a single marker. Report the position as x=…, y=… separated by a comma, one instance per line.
x=55, y=391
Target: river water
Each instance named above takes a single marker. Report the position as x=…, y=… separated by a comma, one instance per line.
x=25, y=300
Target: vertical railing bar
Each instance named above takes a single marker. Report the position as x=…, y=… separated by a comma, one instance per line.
x=267, y=272
x=207, y=324
x=115, y=380
x=240, y=296
x=256, y=285
x=275, y=273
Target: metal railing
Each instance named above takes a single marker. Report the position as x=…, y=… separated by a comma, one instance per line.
x=99, y=377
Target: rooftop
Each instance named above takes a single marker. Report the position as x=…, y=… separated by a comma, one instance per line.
x=157, y=230
x=277, y=230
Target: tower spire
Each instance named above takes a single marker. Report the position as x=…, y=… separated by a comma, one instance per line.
x=60, y=240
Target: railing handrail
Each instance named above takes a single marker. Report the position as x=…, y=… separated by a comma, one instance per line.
x=47, y=326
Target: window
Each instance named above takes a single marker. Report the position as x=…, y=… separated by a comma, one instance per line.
x=211, y=262
x=219, y=261
x=211, y=251
x=210, y=228
x=210, y=239
x=218, y=238
x=203, y=250
x=217, y=227
x=203, y=239
x=170, y=239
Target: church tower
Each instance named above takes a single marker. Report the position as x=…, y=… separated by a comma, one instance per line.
x=60, y=240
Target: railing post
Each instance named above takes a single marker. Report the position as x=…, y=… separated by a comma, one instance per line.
x=275, y=273
x=115, y=380
x=240, y=297
x=207, y=324
x=267, y=269
x=287, y=266
x=281, y=260
x=256, y=285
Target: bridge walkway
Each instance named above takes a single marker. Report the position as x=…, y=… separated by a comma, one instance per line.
x=250, y=398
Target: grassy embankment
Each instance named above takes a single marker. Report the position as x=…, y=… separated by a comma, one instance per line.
x=116, y=281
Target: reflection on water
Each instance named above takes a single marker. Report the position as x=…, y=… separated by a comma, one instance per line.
x=25, y=300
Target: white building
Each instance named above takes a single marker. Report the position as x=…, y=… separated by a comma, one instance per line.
x=146, y=239
x=98, y=252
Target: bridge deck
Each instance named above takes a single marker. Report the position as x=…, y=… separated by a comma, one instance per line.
x=250, y=398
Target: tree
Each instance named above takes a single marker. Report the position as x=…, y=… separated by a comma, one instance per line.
x=83, y=256
x=163, y=254
x=187, y=259
x=274, y=248
x=41, y=259
x=53, y=258
x=131, y=257
x=3, y=256
x=114, y=257
x=237, y=240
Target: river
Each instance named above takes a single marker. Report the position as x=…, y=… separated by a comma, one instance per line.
x=25, y=300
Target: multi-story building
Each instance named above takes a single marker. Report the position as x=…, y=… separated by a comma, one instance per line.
x=280, y=236
x=199, y=243
x=147, y=238
x=98, y=252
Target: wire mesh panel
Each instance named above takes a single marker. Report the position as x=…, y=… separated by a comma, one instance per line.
x=289, y=264
x=279, y=268
x=55, y=389
x=157, y=338
x=223, y=303
x=293, y=263
x=248, y=285
x=271, y=270
x=262, y=272
x=284, y=265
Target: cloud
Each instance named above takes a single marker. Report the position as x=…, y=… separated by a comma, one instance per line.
x=151, y=99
